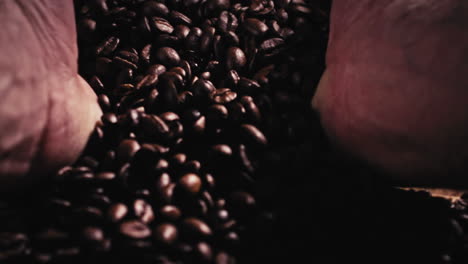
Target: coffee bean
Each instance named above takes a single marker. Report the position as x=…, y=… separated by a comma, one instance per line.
x=143, y=211
x=253, y=134
x=202, y=88
x=117, y=212
x=162, y=181
x=190, y=183
x=196, y=226
x=255, y=26
x=192, y=39
x=170, y=212
x=167, y=193
x=217, y=5
x=217, y=112
x=224, y=258
x=204, y=251
x=246, y=163
x=153, y=125
x=227, y=22
x=134, y=229
x=222, y=150
x=108, y=46
x=93, y=233
x=127, y=149
x=235, y=58
x=161, y=25
x=166, y=233
x=168, y=56
x=271, y=44
x=223, y=96
x=153, y=8
x=179, y=18
x=206, y=39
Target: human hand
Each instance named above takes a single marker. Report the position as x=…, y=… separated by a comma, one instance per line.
x=395, y=92
x=47, y=111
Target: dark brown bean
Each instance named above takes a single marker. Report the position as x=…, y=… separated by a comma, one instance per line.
x=156, y=69
x=134, y=229
x=196, y=226
x=161, y=25
x=271, y=44
x=223, y=96
x=108, y=46
x=255, y=26
x=170, y=212
x=166, y=233
x=191, y=183
x=117, y=212
x=180, y=18
x=154, y=8
x=127, y=149
x=168, y=56
x=204, y=251
x=235, y=58
x=253, y=134
x=93, y=233
x=143, y=210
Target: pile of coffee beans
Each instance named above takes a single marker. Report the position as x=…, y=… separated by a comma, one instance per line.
x=208, y=151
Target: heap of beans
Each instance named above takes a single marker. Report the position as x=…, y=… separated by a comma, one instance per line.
x=208, y=151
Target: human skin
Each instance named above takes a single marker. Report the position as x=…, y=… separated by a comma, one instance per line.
x=47, y=111
x=395, y=92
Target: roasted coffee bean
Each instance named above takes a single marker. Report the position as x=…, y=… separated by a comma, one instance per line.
x=204, y=251
x=154, y=125
x=143, y=211
x=235, y=58
x=196, y=227
x=170, y=212
x=92, y=233
x=217, y=5
x=251, y=108
x=127, y=149
x=108, y=46
x=167, y=193
x=203, y=88
x=217, y=112
x=166, y=233
x=227, y=22
x=192, y=39
x=253, y=134
x=181, y=31
x=206, y=39
x=271, y=44
x=231, y=39
x=161, y=25
x=190, y=183
x=156, y=69
x=162, y=181
x=134, y=229
x=117, y=212
x=223, y=96
x=255, y=26
x=168, y=56
x=222, y=150
x=179, y=18
x=224, y=258
x=96, y=83
x=154, y=8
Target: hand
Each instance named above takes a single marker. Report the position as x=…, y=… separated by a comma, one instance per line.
x=47, y=111
x=395, y=92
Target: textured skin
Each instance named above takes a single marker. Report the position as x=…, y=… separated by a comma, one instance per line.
x=46, y=110
x=396, y=88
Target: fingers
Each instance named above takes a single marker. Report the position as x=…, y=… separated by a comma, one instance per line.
x=394, y=93
x=46, y=110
